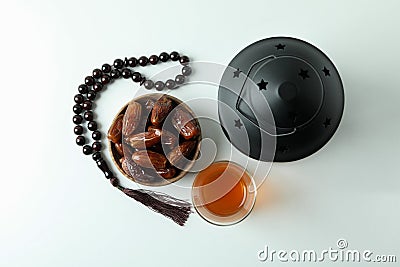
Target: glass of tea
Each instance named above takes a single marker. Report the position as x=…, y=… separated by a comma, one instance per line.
x=224, y=193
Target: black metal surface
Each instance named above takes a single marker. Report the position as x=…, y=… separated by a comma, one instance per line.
x=294, y=81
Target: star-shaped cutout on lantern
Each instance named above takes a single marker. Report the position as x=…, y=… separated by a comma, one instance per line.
x=326, y=72
x=238, y=123
x=262, y=85
x=327, y=122
x=304, y=74
x=236, y=73
x=280, y=47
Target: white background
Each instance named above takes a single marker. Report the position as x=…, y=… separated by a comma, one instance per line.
x=56, y=208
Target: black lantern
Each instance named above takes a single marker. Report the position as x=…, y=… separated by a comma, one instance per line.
x=290, y=79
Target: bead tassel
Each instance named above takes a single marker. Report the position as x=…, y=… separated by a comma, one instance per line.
x=171, y=207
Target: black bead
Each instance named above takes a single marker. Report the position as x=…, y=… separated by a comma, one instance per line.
x=148, y=84
x=174, y=56
x=105, y=79
x=77, y=109
x=106, y=68
x=96, y=156
x=143, y=61
x=97, y=87
x=87, y=105
x=186, y=70
x=80, y=140
x=108, y=174
x=159, y=85
x=87, y=150
x=164, y=57
x=91, y=95
x=92, y=125
x=78, y=98
x=88, y=115
x=97, y=73
x=136, y=77
x=96, y=135
x=77, y=119
x=153, y=60
x=115, y=74
x=184, y=60
x=170, y=84
x=102, y=164
x=126, y=62
x=118, y=63
x=89, y=80
x=96, y=146
x=179, y=79
x=83, y=89
x=132, y=62
x=126, y=73
x=78, y=130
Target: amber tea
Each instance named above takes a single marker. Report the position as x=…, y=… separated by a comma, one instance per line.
x=223, y=193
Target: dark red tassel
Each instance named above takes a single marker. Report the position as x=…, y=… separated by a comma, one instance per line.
x=176, y=209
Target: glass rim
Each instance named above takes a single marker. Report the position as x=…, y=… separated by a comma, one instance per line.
x=236, y=217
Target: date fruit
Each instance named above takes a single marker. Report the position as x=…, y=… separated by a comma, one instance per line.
x=131, y=118
x=167, y=173
x=146, y=139
x=160, y=110
x=185, y=124
x=167, y=138
x=118, y=147
x=115, y=132
x=149, y=104
x=180, y=152
x=149, y=159
x=124, y=166
x=131, y=168
x=138, y=174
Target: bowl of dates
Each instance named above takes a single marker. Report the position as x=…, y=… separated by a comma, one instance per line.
x=155, y=139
